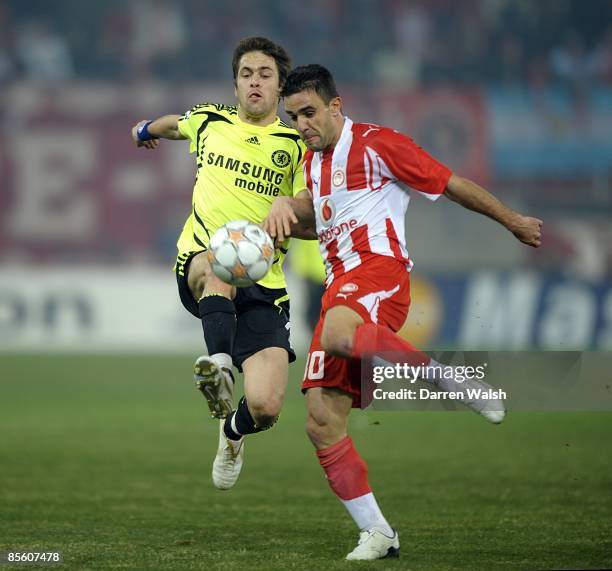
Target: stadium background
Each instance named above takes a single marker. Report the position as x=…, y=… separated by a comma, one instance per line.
x=95, y=349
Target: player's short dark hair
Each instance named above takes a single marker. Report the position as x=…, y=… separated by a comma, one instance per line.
x=268, y=47
x=313, y=77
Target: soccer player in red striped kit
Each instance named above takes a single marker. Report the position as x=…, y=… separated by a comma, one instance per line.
x=357, y=175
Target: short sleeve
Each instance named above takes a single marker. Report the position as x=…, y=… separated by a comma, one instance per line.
x=410, y=164
x=298, y=180
x=189, y=124
x=298, y=183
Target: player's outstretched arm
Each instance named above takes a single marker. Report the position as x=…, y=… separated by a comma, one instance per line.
x=147, y=133
x=472, y=196
x=291, y=217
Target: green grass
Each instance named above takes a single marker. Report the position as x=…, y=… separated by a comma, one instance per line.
x=108, y=459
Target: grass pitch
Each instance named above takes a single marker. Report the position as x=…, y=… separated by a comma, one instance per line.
x=108, y=460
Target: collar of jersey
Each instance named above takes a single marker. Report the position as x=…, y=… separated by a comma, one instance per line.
x=347, y=129
x=257, y=128
x=345, y=136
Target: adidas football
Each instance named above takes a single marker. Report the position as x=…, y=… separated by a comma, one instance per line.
x=240, y=253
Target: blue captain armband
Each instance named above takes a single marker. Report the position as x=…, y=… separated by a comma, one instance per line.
x=143, y=132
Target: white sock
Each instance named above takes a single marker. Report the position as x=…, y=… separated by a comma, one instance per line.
x=222, y=359
x=366, y=514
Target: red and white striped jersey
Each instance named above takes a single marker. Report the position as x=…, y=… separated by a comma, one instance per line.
x=360, y=196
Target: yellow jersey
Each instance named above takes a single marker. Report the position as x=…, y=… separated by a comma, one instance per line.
x=241, y=169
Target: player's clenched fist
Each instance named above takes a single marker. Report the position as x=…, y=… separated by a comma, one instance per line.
x=528, y=230
x=142, y=137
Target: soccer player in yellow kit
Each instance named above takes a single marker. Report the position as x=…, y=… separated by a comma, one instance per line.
x=246, y=157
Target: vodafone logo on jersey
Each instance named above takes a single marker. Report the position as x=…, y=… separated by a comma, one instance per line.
x=327, y=212
x=335, y=231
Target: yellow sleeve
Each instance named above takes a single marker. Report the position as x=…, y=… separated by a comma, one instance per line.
x=298, y=182
x=189, y=124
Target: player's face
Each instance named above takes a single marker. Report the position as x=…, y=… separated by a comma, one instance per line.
x=257, y=85
x=318, y=123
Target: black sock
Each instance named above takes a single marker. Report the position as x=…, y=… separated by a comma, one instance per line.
x=242, y=420
x=218, y=315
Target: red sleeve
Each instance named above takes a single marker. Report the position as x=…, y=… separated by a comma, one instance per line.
x=409, y=163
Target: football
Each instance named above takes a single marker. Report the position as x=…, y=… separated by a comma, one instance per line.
x=240, y=253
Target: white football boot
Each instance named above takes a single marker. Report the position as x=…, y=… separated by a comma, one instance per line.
x=228, y=461
x=492, y=409
x=374, y=544
x=216, y=384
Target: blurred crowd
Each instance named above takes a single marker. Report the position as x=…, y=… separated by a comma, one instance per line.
x=499, y=44
x=406, y=42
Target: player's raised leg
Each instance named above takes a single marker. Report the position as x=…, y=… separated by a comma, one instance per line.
x=347, y=473
x=265, y=382
x=346, y=335
x=217, y=312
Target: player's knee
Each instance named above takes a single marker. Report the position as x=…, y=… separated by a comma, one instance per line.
x=337, y=343
x=338, y=332
x=265, y=414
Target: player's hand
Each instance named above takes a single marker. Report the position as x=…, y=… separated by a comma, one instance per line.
x=152, y=144
x=279, y=220
x=528, y=230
